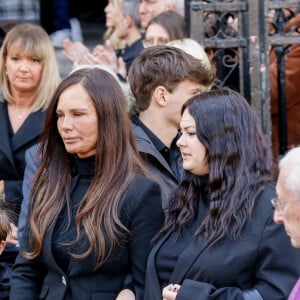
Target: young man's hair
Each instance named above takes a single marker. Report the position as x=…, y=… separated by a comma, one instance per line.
x=166, y=66
x=5, y=228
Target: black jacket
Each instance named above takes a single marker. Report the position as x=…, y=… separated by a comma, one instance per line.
x=42, y=278
x=12, y=152
x=156, y=164
x=262, y=259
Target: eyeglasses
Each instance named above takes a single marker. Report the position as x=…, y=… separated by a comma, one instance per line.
x=279, y=204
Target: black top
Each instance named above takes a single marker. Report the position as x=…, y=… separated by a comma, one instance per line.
x=170, y=250
x=84, y=170
x=129, y=53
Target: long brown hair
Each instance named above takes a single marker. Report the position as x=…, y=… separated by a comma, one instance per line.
x=116, y=163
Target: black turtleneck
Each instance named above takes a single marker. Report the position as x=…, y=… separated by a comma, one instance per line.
x=84, y=170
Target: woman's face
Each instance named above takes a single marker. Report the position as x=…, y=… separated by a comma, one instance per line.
x=24, y=72
x=192, y=150
x=113, y=13
x=156, y=35
x=77, y=121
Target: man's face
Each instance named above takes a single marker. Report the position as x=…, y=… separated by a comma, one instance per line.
x=185, y=90
x=149, y=9
x=287, y=211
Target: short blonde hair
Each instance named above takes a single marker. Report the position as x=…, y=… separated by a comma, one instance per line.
x=193, y=48
x=31, y=40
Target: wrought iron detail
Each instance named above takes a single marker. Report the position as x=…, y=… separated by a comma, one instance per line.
x=240, y=35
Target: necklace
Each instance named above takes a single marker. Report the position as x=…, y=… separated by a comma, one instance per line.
x=20, y=114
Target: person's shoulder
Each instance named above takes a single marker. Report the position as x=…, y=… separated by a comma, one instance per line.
x=268, y=191
x=141, y=181
x=141, y=186
x=263, y=204
x=139, y=190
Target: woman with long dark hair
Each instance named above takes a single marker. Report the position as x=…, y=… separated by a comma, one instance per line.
x=219, y=240
x=94, y=211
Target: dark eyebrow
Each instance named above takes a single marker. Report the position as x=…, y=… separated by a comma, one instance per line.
x=187, y=127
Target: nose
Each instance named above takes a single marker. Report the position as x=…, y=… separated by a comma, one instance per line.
x=180, y=142
x=24, y=65
x=278, y=217
x=66, y=123
x=107, y=7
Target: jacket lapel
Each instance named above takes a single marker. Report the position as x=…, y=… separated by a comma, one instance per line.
x=30, y=130
x=187, y=259
x=153, y=290
x=5, y=146
x=144, y=145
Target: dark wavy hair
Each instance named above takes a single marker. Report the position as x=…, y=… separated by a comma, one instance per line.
x=240, y=165
x=116, y=163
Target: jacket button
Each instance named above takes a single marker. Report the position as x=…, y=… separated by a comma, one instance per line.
x=63, y=280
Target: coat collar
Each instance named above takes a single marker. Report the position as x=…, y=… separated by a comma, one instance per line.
x=187, y=259
x=30, y=130
x=152, y=289
x=144, y=145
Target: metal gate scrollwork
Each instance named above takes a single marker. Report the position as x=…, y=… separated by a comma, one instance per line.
x=242, y=37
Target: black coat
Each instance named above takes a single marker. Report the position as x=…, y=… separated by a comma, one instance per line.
x=262, y=259
x=12, y=151
x=42, y=278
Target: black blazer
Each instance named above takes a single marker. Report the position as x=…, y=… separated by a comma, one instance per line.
x=262, y=259
x=12, y=151
x=42, y=278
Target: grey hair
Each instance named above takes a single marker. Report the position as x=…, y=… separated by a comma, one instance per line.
x=291, y=164
x=131, y=8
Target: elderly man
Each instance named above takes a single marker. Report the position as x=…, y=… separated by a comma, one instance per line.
x=287, y=204
x=150, y=8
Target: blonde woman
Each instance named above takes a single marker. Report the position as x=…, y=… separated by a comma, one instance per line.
x=28, y=78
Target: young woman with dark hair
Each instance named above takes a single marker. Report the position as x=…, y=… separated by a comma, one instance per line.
x=219, y=240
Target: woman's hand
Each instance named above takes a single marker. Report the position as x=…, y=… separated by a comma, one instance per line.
x=170, y=291
x=126, y=294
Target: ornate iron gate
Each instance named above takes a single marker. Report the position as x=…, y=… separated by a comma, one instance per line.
x=239, y=36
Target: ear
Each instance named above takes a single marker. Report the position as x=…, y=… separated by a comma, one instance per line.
x=159, y=96
x=170, y=6
x=128, y=21
x=2, y=246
